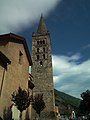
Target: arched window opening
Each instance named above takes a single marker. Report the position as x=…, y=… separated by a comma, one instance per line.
x=40, y=42
x=20, y=57
x=41, y=63
x=37, y=42
x=43, y=41
x=43, y=49
x=43, y=56
x=38, y=50
x=37, y=57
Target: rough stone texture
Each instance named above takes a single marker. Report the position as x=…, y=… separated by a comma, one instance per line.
x=16, y=74
x=42, y=69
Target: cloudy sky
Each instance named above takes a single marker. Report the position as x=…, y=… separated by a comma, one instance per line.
x=69, y=24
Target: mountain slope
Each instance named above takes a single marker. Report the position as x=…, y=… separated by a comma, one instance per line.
x=66, y=102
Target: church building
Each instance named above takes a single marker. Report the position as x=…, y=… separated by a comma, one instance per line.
x=15, y=60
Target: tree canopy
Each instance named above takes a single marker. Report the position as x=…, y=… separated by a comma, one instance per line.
x=38, y=103
x=21, y=99
x=85, y=103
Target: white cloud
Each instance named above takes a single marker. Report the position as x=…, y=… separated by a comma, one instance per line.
x=16, y=14
x=70, y=77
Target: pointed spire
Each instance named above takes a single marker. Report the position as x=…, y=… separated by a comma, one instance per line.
x=42, y=26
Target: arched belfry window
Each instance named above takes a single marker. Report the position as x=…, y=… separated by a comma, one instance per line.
x=43, y=41
x=37, y=42
x=38, y=50
x=43, y=56
x=43, y=49
x=41, y=63
x=37, y=57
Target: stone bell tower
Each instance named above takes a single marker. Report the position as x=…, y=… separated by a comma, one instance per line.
x=42, y=68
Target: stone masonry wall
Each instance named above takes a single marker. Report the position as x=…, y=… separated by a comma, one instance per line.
x=42, y=73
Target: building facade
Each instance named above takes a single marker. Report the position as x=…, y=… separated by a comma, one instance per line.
x=14, y=67
x=42, y=69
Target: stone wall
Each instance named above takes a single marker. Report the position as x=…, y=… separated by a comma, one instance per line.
x=42, y=73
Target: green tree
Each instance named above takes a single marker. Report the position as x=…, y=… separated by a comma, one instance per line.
x=38, y=103
x=84, y=106
x=21, y=99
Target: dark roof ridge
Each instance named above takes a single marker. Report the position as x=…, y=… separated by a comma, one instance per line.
x=12, y=35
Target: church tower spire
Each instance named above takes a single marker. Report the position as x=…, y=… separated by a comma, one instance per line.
x=42, y=26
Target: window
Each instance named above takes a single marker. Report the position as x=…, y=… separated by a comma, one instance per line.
x=43, y=49
x=43, y=56
x=41, y=63
x=20, y=57
x=43, y=41
x=38, y=50
x=38, y=42
x=37, y=57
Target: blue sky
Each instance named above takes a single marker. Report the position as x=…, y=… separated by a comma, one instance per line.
x=69, y=24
